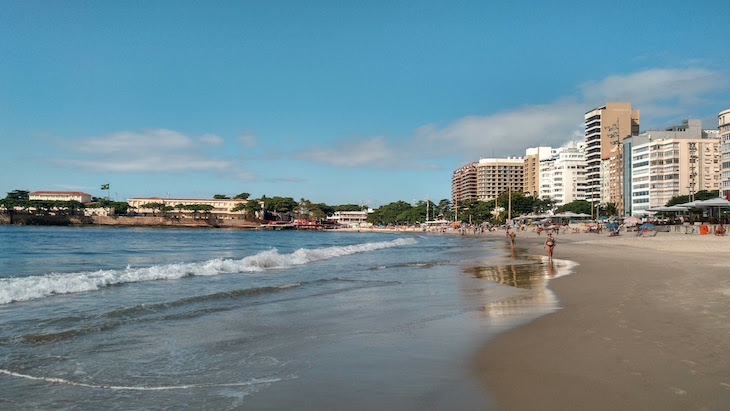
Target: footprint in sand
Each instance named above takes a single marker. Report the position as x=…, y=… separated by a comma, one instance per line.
x=678, y=391
x=688, y=362
x=726, y=385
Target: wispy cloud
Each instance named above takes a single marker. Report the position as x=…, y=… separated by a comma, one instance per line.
x=505, y=133
x=658, y=93
x=681, y=86
x=248, y=139
x=290, y=180
x=363, y=152
x=240, y=175
x=373, y=151
x=154, y=150
x=212, y=139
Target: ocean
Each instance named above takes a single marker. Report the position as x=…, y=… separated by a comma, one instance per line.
x=141, y=318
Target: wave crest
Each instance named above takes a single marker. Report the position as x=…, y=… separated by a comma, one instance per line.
x=34, y=287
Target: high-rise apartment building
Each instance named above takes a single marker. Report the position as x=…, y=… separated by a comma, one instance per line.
x=680, y=160
x=497, y=175
x=562, y=178
x=605, y=127
x=724, y=130
x=627, y=169
x=464, y=183
x=533, y=157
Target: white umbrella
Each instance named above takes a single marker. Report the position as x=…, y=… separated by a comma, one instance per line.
x=713, y=202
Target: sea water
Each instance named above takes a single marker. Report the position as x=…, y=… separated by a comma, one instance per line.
x=139, y=318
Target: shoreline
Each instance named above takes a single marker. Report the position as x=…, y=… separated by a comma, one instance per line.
x=643, y=324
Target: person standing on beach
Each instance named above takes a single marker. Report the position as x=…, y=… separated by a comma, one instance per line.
x=549, y=244
x=512, y=236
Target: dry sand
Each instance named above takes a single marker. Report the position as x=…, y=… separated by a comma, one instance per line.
x=644, y=324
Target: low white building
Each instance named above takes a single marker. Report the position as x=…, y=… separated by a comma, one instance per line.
x=221, y=207
x=60, y=196
x=350, y=218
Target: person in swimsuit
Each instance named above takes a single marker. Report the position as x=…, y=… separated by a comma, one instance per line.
x=512, y=236
x=549, y=244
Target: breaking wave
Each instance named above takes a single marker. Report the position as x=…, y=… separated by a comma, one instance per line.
x=30, y=288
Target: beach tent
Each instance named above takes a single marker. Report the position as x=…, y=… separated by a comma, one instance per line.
x=720, y=205
x=713, y=202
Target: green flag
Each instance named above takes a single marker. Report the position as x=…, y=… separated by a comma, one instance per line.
x=105, y=186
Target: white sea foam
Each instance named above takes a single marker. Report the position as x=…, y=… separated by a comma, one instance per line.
x=55, y=380
x=30, y=288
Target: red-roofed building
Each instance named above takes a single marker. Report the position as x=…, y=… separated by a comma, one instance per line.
x=60, y=196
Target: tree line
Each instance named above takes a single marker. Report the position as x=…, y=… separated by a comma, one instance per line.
x=399, y=212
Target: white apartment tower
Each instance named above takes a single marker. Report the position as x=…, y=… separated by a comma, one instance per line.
x=563, y=178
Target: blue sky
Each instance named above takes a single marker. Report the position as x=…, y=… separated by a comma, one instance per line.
x=333, y=101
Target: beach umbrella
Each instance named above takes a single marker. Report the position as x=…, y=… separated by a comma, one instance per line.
x=603, y=217
x=631, y=221
x=612, y=226
x=646, y=225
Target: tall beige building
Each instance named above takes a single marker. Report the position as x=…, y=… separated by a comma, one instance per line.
x=533, y=157
x=497, y=175
x=605, y=127
x=464, y=183
x=724, y=129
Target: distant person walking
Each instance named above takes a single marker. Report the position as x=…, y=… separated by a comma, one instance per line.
x=549, y=244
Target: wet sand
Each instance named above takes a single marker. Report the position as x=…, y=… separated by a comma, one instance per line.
x=644, y=324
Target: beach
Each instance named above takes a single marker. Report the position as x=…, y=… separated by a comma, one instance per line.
x=643, y=324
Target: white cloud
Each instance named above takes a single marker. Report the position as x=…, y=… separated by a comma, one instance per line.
x=135, y=142
x=248, y=139
x=505, y=133
x=241, y=175
x=150, y=163
x=685, y=86
x=353, y=153
x=658, y=93
x=154, y=150
x=212, y=139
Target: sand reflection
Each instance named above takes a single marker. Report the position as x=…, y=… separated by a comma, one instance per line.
x=529, y=274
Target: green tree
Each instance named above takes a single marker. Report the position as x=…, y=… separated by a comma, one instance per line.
x=608, y=209
x=388, y=214
x=700, y=195
x=347, y=207
x=155, y=207
x=220, y=197
x=476, y=211
x=252, y=207
x=576, y=206
x=19, y=195
x=242, y=196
